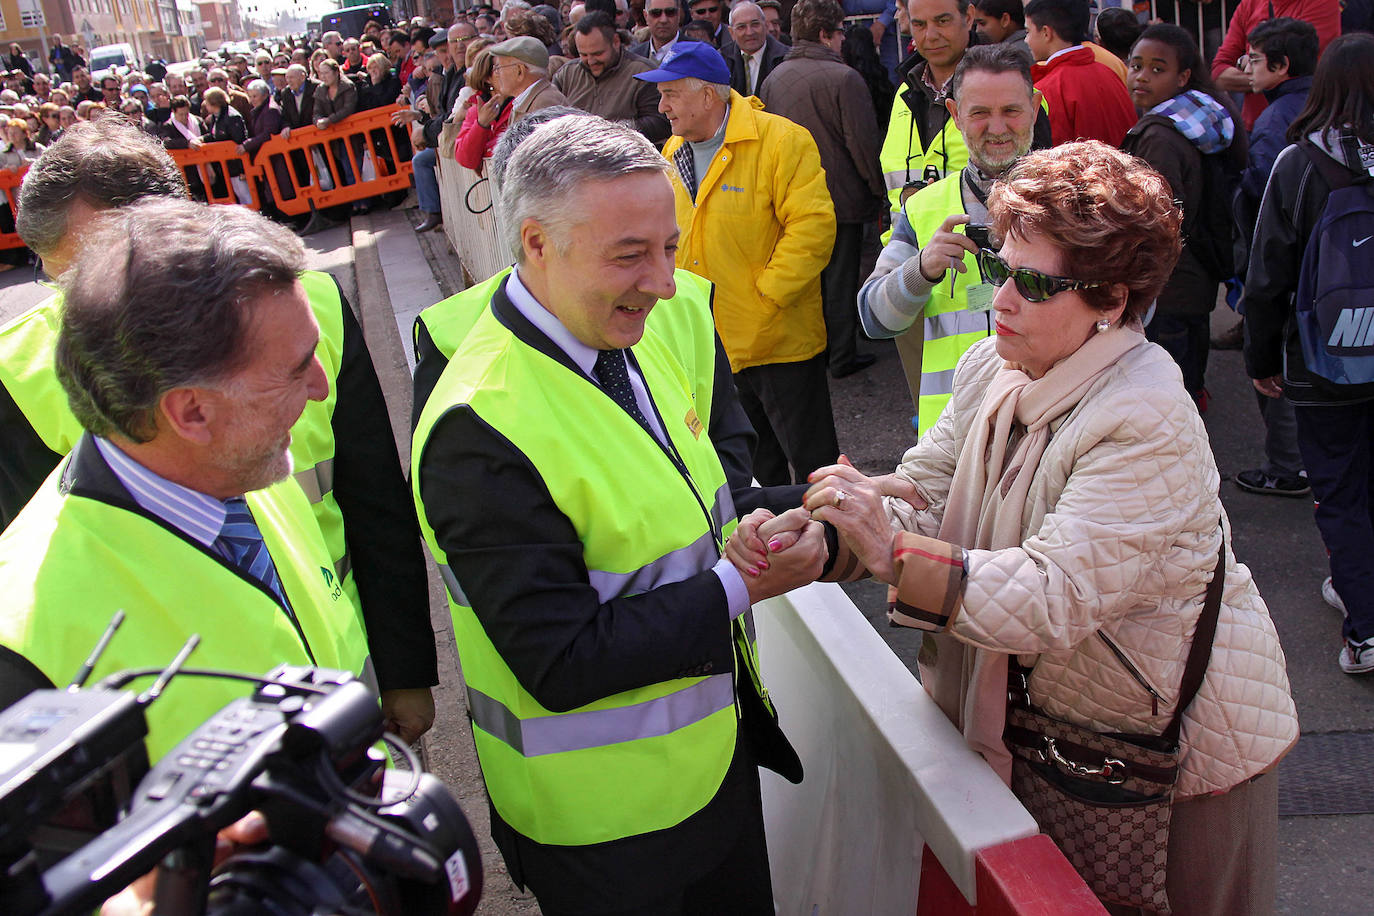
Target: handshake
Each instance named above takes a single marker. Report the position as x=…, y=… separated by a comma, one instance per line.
x=777, y=553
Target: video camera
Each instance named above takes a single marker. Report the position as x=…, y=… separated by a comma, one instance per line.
x=347, y=836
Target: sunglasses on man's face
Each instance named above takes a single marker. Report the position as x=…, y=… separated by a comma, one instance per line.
x=1033, y=285
x=670, y=12
x=704, y=10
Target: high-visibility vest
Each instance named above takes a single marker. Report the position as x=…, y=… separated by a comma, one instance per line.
x=643, y=759
x=70, y=560
x=904, y=160
x=27, y=345
x=684, y=322
x=950, y=328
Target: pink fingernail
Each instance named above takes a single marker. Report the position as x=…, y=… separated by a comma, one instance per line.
x=752, y=571
x=763, y=565
x=774, y=544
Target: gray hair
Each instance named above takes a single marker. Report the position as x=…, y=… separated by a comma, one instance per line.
x=108, y=163
x=298, y=68
x=694, y=84
x=516, y=134
x=556, y=162
x=257, y=86
x=159, y=298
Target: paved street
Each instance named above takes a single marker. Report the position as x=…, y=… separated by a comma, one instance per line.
x=1327, y=784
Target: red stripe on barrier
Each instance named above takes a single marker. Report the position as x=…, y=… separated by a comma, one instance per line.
x=938, y=895
x=1026, y=877
x=1031, y=877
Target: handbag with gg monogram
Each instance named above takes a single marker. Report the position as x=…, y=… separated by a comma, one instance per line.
x=1106, y=799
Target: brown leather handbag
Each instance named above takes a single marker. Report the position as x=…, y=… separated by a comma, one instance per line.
x=1106, y=799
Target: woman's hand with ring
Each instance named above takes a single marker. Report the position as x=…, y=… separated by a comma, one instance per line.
x=844, y=497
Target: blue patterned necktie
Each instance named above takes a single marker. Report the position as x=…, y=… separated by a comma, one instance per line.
x=240, y=542
x=614, y=377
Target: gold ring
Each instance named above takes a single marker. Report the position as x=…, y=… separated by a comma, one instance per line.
x=840, y=497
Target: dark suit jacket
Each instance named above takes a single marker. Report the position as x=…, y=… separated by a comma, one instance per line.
x=773, y=52
x=645, y=48
x=298, y=116
x=527, y=582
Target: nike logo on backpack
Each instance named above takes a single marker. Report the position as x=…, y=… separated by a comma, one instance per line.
x=1362, y=241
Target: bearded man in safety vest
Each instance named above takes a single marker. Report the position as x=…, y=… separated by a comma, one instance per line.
x=923, y=144
x=569, y=489
x=343, y=450
x=926, y=290
x=187, y=352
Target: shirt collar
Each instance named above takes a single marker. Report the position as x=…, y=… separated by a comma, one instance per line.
x=525, y=303
x=195, y=514
x=1063, y=51
x=524, y=94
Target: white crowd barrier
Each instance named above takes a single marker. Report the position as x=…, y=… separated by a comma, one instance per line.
x=885, y=770
x=470, y=220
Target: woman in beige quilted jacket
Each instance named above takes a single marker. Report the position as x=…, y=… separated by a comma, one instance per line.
x=1072, y=519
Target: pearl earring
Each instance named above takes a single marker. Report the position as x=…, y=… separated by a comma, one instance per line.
x=1104, y=324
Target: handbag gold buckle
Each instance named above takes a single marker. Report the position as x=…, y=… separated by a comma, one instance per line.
x=1108, y=772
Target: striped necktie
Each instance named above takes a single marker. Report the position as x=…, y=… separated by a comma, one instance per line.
x=240, y=542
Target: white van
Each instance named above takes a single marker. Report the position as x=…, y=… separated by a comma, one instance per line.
x=118, y=58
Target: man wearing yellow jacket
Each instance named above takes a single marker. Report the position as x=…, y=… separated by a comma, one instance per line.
x=187, y=352
x=756, y=220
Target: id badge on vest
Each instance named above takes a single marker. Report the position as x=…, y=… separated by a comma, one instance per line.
x=980, y=296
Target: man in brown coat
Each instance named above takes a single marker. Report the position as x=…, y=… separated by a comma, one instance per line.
x=815, y=88
x=601, y=81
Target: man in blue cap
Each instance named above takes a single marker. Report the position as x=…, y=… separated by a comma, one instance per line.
x=757, y=220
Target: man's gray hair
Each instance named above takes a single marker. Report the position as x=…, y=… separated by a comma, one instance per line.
x=159, y=298
x=259, y=86
x=107, y=163
x=516, y=134
x=298, y=68
x=694, y=84
x=556, y=162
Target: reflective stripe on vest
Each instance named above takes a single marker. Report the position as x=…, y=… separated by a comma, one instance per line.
x=578, y=731
x=643, y=759
x=950, y=329
x=68, y=562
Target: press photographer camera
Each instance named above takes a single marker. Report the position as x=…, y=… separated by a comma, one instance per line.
x=346, y=835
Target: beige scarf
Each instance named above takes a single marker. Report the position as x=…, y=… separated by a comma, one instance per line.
x=987, y=500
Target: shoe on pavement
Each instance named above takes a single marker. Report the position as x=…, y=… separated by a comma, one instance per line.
x=860, y=362
x=431, y=221
x=1233, y=338
x=1256, y=481
x=1330, y=597
x=1357, y=657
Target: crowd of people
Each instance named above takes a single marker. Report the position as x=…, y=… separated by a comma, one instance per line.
x=625, y=440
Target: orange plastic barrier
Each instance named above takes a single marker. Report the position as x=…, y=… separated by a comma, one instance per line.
x=359, y=157
x=9, y=186
x=211, y=162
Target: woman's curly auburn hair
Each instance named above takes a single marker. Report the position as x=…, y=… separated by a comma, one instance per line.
x=1111, y=215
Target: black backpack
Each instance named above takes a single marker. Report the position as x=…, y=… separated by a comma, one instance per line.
x=1210, y=233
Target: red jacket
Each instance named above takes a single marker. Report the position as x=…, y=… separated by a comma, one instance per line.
x=475, y=142
x=1087, y=101
x=1325, y=16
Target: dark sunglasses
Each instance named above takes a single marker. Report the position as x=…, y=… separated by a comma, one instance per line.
x=1033, y=285
x=705, y=10
x=670, y=12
